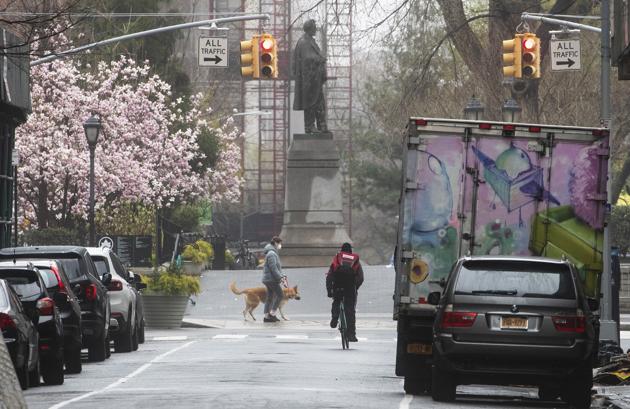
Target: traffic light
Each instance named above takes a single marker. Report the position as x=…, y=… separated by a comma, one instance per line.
x=512, y=57
x=268, y=56
x=249, y=57
x=530, y=51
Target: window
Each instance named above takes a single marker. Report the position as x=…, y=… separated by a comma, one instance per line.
x=102, y=266
x=72, y=267
x=49, y=277
x=516, y=279
x=24, y=282
x=120, y=269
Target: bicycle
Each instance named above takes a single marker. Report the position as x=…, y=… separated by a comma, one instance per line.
x=343, y=327
x=245, y=259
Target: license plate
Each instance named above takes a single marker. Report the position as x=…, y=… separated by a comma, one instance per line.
x=513, y=323
x=419, y=349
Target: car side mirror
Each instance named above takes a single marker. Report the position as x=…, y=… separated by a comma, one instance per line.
x=140, y=286
x=442, y=282
x=107, y=278
x=60, y=299
x=593, y=304
x=434, y=298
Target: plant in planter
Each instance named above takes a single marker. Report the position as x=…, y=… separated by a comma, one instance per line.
x=197, y=256
x=166, y=296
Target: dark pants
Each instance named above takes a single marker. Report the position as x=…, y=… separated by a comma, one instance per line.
x=316, y=113
x=274, y=296
x=349, y=305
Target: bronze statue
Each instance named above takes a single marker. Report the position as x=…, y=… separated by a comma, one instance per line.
x=309, y=71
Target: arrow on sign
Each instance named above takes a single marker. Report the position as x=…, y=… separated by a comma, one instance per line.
x=568, y=63
x=216, y=59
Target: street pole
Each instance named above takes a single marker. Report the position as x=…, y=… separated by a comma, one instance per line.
x=91, y=215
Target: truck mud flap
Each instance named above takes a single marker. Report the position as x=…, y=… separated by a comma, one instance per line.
x=413, y=347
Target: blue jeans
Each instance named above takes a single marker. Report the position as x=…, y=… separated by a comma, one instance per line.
x=274, y=296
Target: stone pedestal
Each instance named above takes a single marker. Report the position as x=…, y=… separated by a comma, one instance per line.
x=313, y=228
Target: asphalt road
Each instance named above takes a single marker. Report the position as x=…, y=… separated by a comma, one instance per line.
x=291, y=364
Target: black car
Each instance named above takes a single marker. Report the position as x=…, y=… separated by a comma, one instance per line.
x=30, y=288
x=515, y=321
x=90, y=290
x=57, y=282
x=20, y=335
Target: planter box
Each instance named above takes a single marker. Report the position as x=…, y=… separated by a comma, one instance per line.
x=192, y=268
x=164, y=311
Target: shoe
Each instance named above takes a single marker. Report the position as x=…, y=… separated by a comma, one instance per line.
x=352, y=338
x=333, y=323
x=272, y=318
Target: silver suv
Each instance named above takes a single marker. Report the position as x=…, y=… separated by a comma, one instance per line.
x=514, y=321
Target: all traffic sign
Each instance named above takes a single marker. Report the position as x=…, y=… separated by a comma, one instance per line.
x=213, y=52
x=565, y=55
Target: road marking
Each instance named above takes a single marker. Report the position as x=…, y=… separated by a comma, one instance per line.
x=404, y=403
x=124, y=379
x=174, y=338
x=292, y=336
x=230, y=336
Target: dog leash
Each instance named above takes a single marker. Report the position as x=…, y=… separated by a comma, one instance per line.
x=284, y=281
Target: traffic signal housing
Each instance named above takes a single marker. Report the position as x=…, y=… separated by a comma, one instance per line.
x=268, y=56
x=530, y=56
x=512, y=57
x=250, y=57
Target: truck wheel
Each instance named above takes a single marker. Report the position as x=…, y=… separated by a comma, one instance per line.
x=96, y=350
x=417, y=386
x=577, y=392
x=73, y=361
x=442, y=386
x=548, y=392
x=53, y=371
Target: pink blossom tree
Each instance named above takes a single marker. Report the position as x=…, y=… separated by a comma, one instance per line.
x=147, y=151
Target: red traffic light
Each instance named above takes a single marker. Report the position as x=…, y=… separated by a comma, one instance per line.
x=266, y=44
x=529, y=44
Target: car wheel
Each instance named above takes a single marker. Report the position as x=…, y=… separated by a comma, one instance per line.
x=52, y=372
x=417, y=386
x=141, y=333
x=22, y=374
x=548, y=393
x=108, y=349
x=33, y=376
x=442, y=386
x=577, y=391
x=73, y=361
x=96, y=350
x=124, y=341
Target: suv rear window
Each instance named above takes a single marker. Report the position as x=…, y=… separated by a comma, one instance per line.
x=102, y=266
x=515, y=279
x=72, y=267
x=50, y=279
x=24, y=282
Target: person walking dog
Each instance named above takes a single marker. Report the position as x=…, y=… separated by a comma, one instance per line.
x=272, y=277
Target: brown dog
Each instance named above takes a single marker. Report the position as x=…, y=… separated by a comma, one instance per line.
x=256, y=295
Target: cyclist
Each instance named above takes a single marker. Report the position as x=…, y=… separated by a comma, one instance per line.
x=343, y=279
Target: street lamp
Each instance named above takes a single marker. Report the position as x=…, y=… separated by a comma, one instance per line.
x=511, y=111
x=92, y=127
x=473, y=110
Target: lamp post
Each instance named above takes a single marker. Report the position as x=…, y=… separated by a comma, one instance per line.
x=473, y=111
x=511, y=111
x=92, y=128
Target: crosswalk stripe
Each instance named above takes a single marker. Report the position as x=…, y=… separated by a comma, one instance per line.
x=230, y=336
x=291, y=336
x=173, y=338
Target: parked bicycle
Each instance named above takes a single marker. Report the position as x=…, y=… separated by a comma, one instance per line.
x=245, y=259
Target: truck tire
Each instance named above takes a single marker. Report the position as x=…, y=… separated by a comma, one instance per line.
x=577, y=390
x=96, y=350
x=73, y=361
x=442, y=386
x=417, y=386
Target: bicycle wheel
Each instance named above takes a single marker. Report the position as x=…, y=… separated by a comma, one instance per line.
x=343, y=329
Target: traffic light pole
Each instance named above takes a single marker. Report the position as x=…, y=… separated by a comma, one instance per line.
x=146, y=33
x=609, y=328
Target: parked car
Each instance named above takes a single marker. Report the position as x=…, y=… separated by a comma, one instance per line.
x=87, y=286
x=20, y=335
x=124, y=299
x=515, y=320
x=31, y=290
x=57, y=282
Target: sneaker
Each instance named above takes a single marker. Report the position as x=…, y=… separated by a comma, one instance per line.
x=271, y=318
x=333, y=323
x=352, y=338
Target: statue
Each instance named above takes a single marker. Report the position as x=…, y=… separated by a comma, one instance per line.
x=309, y=71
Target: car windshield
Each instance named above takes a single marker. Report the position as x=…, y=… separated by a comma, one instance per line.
x=101, y=264
x=50, y=279
x=25, y=283
x=516, y=279
x=72, y=267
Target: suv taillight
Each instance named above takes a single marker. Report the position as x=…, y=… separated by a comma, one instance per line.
x=115, y=285
x=458, y=319
x=6, y=322
x=55, y=270
x=90, y=292
x=45, y=306
x=569, y=323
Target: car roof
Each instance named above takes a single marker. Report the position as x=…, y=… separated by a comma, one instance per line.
x=516, y=258
x=98, y=251
x=8, y=251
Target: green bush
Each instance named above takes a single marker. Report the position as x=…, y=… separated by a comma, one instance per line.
x=229, y=258
x=171, y=281
x=200, y=252
x=51, y=236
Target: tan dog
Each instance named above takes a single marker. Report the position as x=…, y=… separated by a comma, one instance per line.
x=254, y=296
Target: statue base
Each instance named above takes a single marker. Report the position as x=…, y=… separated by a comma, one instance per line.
x=313, y=228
